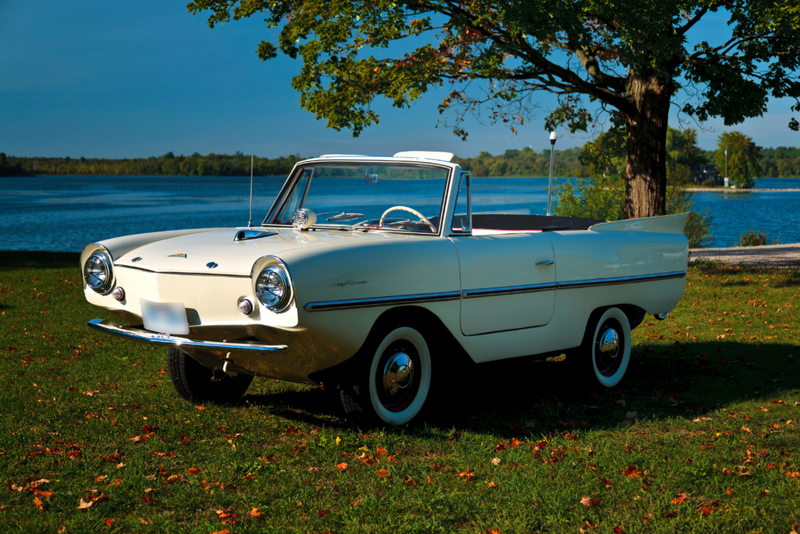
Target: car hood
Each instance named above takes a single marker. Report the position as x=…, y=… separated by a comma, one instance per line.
x=217, y=252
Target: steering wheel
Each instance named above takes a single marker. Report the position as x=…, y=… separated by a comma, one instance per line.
x=410, y=210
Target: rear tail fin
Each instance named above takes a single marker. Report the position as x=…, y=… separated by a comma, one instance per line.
x=668, y=224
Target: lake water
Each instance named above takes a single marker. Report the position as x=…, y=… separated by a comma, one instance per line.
x=63, y=213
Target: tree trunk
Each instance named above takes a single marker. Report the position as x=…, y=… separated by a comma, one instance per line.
x=646, y=169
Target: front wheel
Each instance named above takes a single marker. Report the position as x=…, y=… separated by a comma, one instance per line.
x=398, y=381
x=197, y=383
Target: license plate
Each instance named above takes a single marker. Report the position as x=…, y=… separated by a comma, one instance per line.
x=164, y=317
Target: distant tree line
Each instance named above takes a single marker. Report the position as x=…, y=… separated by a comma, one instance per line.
x=525, y=162
x=781, y=162
x=166, y=165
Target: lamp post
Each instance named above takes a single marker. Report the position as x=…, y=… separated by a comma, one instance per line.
x=553, y=137
x=726, y=162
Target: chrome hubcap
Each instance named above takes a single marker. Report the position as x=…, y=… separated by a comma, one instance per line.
x=608, y=350
x=608, y=344
x=398, y=375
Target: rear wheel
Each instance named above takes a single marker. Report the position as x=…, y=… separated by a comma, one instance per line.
x=611, y=347
x=197, y=383
x=606, y=346
x=397, y=383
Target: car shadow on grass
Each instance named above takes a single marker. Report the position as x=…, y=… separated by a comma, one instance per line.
x=524, y=397
x=36, y=259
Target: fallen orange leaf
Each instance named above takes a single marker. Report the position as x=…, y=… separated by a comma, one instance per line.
x=342, y=466
x=589, y=501
x=630, y=472
x=680, y=499
x=383, y=473
x=254, y=513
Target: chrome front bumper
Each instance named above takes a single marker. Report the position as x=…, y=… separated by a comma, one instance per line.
x=308, y=356
x=213, y=347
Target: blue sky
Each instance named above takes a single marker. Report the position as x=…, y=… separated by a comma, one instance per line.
x=134, y=79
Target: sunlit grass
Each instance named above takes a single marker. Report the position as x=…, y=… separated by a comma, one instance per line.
x=701, y=437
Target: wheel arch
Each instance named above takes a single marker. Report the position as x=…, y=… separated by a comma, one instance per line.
x=634, y=313
x=443, y=343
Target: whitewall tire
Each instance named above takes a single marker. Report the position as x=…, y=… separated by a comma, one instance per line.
x=393, y=381
x=611, y=347
x=400, y=376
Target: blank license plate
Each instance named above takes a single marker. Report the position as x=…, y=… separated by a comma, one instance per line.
x=164, y=317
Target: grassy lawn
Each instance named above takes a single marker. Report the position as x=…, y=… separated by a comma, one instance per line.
x=702, y=436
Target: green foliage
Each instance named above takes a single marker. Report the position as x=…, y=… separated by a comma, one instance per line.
x=592, y=198
x=592, y=49
x=524, y=163
x=781, y=162
x=698, y=225
x=743, y=159
x=756, y=238
x=166, y=165
x=622, y=62
x=708, y=423
x=604, y=197
x=11, y=166
x=606, y=155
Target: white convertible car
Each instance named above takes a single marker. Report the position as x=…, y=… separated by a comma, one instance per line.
x=374, y=274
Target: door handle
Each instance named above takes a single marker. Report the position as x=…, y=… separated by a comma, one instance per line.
x=545, y=262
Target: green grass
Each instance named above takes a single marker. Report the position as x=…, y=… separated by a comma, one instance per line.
x=701, y=437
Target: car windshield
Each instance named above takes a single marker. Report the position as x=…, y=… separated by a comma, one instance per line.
x=396, y=197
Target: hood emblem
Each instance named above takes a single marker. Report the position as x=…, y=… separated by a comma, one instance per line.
x=179, y=255
x=137, y=258
x=211, y=265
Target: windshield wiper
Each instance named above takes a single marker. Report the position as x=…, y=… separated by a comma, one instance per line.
x=345, y=216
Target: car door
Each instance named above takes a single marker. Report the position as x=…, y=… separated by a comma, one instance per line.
x=508, y=281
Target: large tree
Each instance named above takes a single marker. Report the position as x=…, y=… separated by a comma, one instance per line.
x=742, y=159
x=628, y=58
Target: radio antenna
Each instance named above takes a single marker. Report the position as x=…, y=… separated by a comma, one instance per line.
x=250, y=220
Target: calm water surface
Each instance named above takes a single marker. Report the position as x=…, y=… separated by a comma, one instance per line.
x=63, y=213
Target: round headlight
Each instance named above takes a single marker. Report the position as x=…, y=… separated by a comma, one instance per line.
x=272, y=289
x=97, y=272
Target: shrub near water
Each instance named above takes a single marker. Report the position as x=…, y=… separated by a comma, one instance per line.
x=756, y=238
x=701, y=437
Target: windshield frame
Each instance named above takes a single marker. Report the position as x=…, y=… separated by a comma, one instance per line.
x=300, y=168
